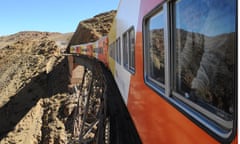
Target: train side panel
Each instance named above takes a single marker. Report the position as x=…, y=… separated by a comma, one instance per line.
x=158, y=119
x=83, y=49
x=72, y=49
x=78, y=49
x=89, y=49
x=125, y=20
x=111, y=39
x=103, y=50
x=75, y=49
x=95, y=49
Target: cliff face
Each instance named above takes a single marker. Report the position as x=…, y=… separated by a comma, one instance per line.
x=33, y=86
x=92, y=29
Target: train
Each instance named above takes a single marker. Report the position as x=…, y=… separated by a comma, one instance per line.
x=175, y=65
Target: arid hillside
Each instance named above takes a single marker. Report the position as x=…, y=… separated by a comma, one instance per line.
x=31, y=35
x=93, y=28
x=33, y=88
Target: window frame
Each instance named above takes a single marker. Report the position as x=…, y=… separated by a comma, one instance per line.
x=161, y=88
x=199, y=115
x=118, y=50
x=125, y=49
x=131, y=49
x=126, y=45
x=112, y=50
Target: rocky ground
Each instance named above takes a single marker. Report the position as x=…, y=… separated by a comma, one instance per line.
x=34, y=98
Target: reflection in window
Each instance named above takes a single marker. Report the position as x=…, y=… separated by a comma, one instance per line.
x=205, y=38
x=155, y=48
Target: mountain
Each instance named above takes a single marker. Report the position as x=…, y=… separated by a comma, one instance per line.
x=33, y=86
x=92, y=29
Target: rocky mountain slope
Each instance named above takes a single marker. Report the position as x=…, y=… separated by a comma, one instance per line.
x=93, y=28
x=33, y=88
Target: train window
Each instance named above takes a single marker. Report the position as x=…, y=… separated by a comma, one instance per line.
x=132, y=49
x=129, y=50
x=155, y=48
x=112, y=50
x=100, y=50
x=125, y=49
x=190, y=58
x=205, y=57
x=118, y=50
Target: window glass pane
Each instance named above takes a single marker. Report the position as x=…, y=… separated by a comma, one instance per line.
x=119, y=51
x=110, y=48
x=119, y=46
x=205, y=49
x=114, y=50
x=155, y=47
x=132, y=49
x=100, y=50
x=125, y=49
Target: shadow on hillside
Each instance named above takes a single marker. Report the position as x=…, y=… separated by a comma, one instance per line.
x=42, y=86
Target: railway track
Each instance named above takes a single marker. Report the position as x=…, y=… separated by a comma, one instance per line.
x=101, y=116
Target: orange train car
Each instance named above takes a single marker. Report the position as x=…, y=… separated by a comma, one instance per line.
x=72, y=49
x=95, y=49
x=84, y=49
x=103, y=50
x=89, y=49
x=175, y=64
x=76, y=49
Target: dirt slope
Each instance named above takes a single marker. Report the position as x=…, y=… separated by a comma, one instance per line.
x=33, y=88
x=93, y=28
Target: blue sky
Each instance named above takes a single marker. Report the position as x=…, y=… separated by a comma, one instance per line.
x=49, y=15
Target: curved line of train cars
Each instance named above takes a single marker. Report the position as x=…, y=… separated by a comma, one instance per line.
x=174, y=62
x=97, y=49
